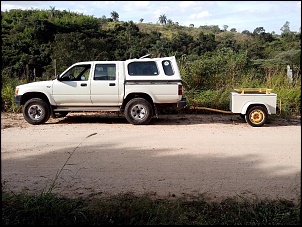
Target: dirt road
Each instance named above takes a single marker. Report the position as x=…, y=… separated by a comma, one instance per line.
x=215, y=155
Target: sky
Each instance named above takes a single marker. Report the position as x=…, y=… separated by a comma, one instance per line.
x=241, y=15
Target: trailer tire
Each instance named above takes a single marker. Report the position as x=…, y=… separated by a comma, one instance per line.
x=256, y=116
x=138, y=111
x=36, y=111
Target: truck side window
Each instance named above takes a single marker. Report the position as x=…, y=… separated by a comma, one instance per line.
x=105, y=72
x=167, y=66
x=147, y=68
x=77, y=73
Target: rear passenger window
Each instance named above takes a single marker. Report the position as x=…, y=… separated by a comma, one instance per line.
x=105, y=72
x=167, y=66
x=147, y=68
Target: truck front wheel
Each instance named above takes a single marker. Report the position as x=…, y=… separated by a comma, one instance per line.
x=138, y=111
x=256, y=116
x=36, y=111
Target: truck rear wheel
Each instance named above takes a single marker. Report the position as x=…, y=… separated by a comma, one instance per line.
x=256, y=116
x=138, y=111
x=36, y=111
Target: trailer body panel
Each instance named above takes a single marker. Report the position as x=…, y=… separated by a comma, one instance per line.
x=239, y=102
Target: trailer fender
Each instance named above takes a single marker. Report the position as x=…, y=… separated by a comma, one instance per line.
x=246, y=106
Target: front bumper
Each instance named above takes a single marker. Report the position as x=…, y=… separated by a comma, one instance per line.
x=182, y=103
x=17, y=99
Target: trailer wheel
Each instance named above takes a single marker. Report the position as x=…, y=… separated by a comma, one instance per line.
x=256, y=116
x=36, y=111
x=138, y=111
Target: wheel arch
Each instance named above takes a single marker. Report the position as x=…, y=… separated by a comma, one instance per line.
x=137, y=95
x=249, y=105
x=30, y=95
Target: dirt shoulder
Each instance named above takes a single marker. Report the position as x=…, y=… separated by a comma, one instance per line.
x=93, y=154
x=9, y=120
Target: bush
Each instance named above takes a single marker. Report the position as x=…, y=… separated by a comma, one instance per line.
x=7, y=94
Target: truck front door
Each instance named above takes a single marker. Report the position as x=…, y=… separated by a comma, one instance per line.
x=73, y=87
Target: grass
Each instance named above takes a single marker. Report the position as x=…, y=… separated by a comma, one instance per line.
x=129, y=209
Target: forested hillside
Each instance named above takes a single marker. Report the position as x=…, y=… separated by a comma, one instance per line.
x=38, y=44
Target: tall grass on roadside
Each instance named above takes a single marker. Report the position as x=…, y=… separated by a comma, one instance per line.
x=289, y=95
x=216, y=99
x=129, y=209
x=42, y=209
x=54, y=182
x=8, y=86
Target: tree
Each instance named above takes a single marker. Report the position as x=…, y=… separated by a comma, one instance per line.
x=225, y=27
x=75, y=47
x=205, y=43
x=141, y=20
x=114, y=16
x=191, y=25
x=247, y=32
x=169, y=22
x=162, y=19
x=285, y=28
x=52, y=12
x=259, y=30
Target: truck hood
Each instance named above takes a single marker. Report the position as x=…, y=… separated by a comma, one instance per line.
x=38, y=84
x=35, y=86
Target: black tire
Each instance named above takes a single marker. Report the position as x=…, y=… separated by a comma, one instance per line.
x=60, y=114
x=256, y=116
x=36, y=111
x=138, y=111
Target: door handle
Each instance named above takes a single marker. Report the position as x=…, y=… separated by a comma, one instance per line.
x=111, y=84
x=83, y=85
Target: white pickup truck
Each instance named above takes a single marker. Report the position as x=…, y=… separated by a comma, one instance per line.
x=135, y=87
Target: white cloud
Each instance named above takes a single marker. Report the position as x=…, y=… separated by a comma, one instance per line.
x=157, y=13
x=187, y=4
x=201, y=15
x=137, y=5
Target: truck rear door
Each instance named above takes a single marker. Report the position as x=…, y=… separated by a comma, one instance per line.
x=105, y=84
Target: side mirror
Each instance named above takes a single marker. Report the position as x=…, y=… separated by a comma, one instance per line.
x=58, y=77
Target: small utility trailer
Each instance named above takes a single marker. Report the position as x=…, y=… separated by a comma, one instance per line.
x=253, y=104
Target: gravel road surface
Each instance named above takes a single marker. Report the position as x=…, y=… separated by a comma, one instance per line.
x=93, y=154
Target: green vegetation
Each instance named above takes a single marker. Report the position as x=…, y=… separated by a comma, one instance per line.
x=38, y=44
x=128, y=209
